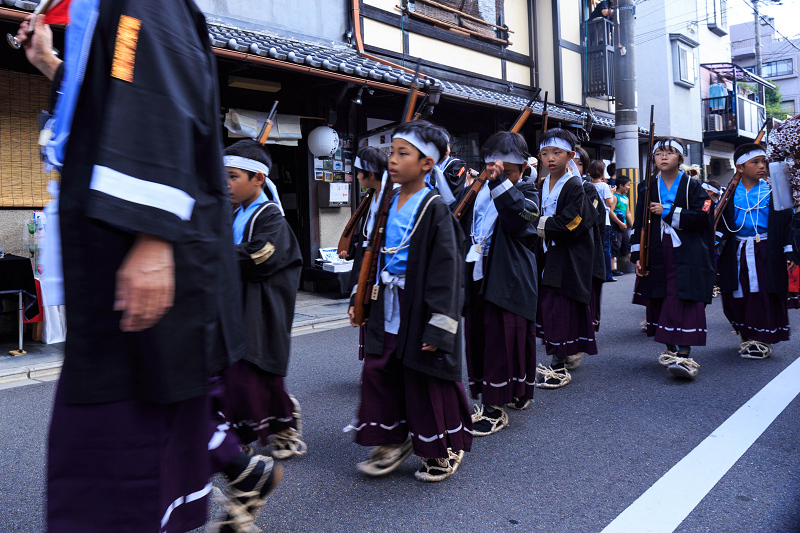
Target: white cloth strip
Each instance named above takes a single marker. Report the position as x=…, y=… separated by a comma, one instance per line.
x=244, y=163
x=744, y=158
x=202, y=493
x=391, y=301
x=672, y=232
x=558, y=143
x=666, y=504
x=635, y=247
x=219, y=436
x=669, y=144
x=676, y=218
x=442, y=186
x=364, y=165
x=748, y=243
x=711, y=188
x=138, y=191
x=444, y=322
x=515, y=159
x=787, y=249
x=500, y=189
x=427, y=149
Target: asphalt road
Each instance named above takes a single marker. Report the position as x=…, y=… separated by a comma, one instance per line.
x=571, y=463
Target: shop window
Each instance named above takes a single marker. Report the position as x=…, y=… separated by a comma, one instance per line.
x=478, y=19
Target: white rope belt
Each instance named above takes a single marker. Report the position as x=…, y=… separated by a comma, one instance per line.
x=391, y=301
x=672, y=232
x=748, y=243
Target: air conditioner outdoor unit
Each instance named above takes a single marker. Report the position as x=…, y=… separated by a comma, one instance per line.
x=714, y=123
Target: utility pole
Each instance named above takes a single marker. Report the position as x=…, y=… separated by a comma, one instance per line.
x=759, y=63
x=626, y=130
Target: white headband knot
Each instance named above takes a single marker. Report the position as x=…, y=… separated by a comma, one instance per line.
x=364, y=165
x=711, y=188
x=669, y=144
x=558, y=143
x=744, y=158
x=505, y=158
x=252, y=165
x=427, y=149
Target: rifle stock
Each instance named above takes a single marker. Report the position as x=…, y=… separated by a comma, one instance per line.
x=644, y=236
x=544, y=114
x=268, y=124
x=346, y=240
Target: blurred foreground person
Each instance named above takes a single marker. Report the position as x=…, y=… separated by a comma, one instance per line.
x=147, y=244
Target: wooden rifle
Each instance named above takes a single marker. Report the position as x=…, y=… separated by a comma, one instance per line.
x=367, y=289
x=479, y=182
x=268, y=124
x=726, y=197
x=544, y=114
x=644, y=236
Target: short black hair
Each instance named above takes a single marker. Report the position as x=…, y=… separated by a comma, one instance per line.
x=584, y=157
x=596, y=169
x=429, y=133
x=611, y=169
x=250, y=149
x=375, y=157
x=661, y=144
x=506, y=142
x=743, y=149
x=715, y=184
x=622, y=181
x=561, y=134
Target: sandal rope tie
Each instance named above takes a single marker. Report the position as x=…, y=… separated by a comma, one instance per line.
x=671, y=358
x=755, y=350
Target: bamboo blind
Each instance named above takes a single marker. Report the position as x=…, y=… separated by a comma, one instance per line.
x=22, y=179
x=470, y=7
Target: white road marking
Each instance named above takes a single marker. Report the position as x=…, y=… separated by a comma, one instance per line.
x=669, y=501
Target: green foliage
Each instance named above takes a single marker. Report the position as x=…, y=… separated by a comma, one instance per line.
x=773, y=104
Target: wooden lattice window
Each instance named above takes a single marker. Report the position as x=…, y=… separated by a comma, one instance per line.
x=23, y=183
x=475, y=18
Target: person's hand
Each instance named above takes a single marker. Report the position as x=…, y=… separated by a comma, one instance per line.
x=497, y=169
x=656, y=208
x=792, y=266
x=145, y=283
x=342, y=254
x=428, y=348
x=639, y=271
x=622, y=225
x=38, y=46
x=471, y=175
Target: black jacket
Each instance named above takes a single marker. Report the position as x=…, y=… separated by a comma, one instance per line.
x=690, y=217
x=430, y=311
x=510, y=274
x=270, y=264
x=153, y=135
x=568, y=264
x=779, y=233
x=598, y=231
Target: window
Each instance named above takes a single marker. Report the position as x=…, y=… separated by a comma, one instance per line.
x=718, y=16
x=684, y=61
x=788, y=106
x=480, y=19
x=772, y=69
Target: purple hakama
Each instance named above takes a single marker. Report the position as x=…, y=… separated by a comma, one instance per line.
x=564, y=324
x=758, y=316
x=638, y=297
x=256, y=402
x=128, y=467
x=397, y=401
x=501, y=353
x=673, y=320
x=793, y=301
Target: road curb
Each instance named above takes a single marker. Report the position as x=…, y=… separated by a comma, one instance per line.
x=13, y=374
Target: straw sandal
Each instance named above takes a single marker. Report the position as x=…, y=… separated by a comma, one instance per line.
x=287, y=443
x=483, y=424
x=385, y=459
x=439, y=469
x=549, y=378
x=262, y=475
x=755, y=350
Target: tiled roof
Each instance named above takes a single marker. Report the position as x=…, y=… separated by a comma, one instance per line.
x=344, y=60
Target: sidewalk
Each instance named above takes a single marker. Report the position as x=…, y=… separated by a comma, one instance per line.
x=313, y=311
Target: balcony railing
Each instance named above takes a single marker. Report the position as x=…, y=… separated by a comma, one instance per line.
x=732, y=116
x=600, y=58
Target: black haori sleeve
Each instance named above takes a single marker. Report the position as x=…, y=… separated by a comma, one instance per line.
x=443, y=284
x=572, y=221
x=695, y=216
x=512, y=203
x=638, y=217
x=272, y=246
x=145, y=177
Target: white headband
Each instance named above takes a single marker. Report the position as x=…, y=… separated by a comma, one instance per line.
x=505, y=158
x=364, y=165
x=558, y=143
x=252, y=165
x=711, y=188
x=427, y=149
x=744, y=158
x=669, y=144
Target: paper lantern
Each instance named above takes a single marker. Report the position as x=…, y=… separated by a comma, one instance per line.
x=323, y=141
